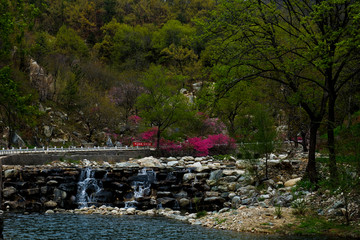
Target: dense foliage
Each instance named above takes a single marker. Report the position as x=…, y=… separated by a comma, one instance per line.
x=189, y=72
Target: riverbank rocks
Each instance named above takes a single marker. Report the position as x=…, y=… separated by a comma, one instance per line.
x=50, y=204
x=292, y=182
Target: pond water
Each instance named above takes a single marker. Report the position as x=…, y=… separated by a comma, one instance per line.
x=67, y=226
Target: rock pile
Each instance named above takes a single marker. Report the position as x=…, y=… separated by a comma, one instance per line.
x=183, y=183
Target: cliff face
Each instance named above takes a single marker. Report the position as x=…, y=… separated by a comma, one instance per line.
x=43, y=82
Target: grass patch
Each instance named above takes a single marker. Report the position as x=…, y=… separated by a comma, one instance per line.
x=69, y=161
x=340, y=159
x=315, y=225
x=201, y=214
x=220, y=221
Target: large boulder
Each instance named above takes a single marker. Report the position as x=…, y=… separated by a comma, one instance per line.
x=292, y=182
x=9, y=191
x=10, y=173
x=216, y=175
x=150, y=162
x=50, y=204
x=127, y=165
x=188, y=176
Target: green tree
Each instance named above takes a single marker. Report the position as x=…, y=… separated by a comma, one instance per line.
x=69, y=43
x=309, y=47
x=15, y=107
x=264, y=135
x=96, y=110
x=125, y=46
x=6, y=29
x=162, y=105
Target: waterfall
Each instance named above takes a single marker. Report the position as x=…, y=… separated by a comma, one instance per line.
x=88, y=187
x=142, y=185
x=142, y=188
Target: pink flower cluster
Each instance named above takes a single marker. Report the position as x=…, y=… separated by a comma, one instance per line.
x=149, y=135
x=134, y=119
x=203, y=146
x=198, y=146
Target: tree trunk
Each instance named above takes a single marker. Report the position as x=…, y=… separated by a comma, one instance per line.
x=331, y=138
x=304, y=141
x=158, y=139
x=311, y=172
x=266, y=166
x=11, y=137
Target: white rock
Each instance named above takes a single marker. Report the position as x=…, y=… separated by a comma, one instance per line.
x=172, y=163
x=233, y=172
x=150, y=162
x=188, y=176
x=187, y=158
x=130, y=211
x=292, y=182
x=199, y=159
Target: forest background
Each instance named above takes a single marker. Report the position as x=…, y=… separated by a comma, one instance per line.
x=194, y=77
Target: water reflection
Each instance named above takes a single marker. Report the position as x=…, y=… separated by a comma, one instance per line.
x=66, y=226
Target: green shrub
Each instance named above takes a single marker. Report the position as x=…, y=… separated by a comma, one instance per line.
x=201, y=214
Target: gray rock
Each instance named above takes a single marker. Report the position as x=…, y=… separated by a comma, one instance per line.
x=199, y=159
x=263, y=204
x=216, y=175
x=181, y=194
x=224, y=210
x=48, y=131
x=211, y=194
x=172, y=163
x=232, y=186
x=33, y=191
x=223, y=188
x=43, y=189
x=236, y=202
x=265, y=196
x=127, y=165
x=9, y=191
x=230, y=179
x=10, y=173
x=183, y=202
x=214, y=199
x=246, y=201
x=52, y=182
x=188, y=176
x=231, y=195
x=50, y=204
x=187, y=158
x=224, y=195
x=338, y=204
x=59, y=195
x=150, y=162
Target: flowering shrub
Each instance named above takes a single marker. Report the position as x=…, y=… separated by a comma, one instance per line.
x=221, y=144
x=134, y=119
x=197, y=146
x=201, y=146
x=214, y=125
x=149, y=135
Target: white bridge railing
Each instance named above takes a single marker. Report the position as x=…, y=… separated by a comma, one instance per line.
x=69, y=149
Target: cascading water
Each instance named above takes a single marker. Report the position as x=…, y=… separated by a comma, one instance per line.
x=88, y=187
x=142, y=185
x=142, y=188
